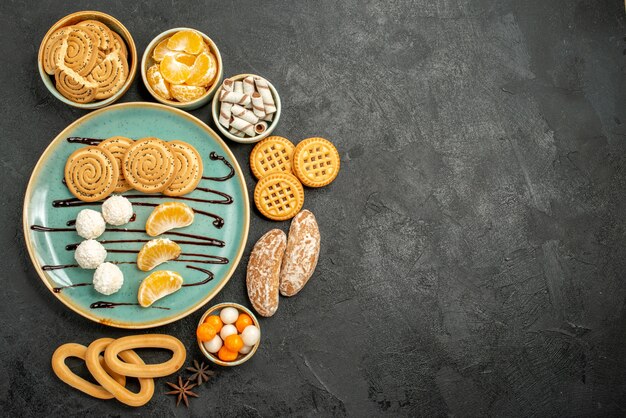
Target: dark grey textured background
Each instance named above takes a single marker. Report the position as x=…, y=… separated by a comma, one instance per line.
x=474, y=245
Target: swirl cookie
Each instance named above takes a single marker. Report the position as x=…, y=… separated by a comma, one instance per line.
x=101, y=32
x=82, y=51
x=273, y=154
x=54, y=48
x=117, y=146
x=75, y=87
x=316, y=162
x=109, y=74
x=149, y=165
x=188, y=167
x=91, y=173
x=279, y=196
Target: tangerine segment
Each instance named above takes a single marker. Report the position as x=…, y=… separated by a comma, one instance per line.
x=168, y=215
x=173, y=70
x=158, y=285
x=156, y=252
x=184, y=93
x=186, y=59
x=186, y=40
x=203, y=70
x=161, y=51
x=157, y=82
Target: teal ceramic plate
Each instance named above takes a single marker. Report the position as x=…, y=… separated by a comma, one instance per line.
x=48, y=231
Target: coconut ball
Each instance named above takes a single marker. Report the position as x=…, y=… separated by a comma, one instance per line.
x=90, y=254
x=90, y=224
x=108, y=278
x=117, y=210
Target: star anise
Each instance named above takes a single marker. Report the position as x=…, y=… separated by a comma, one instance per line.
x=201, y=373
x=183, y=391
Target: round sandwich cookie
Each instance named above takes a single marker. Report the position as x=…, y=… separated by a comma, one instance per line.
x=316, y=162
x=279, y=196
x=117, y=146
x=91, y=173
x=271, y=155
x=188, y=166
x=149, y=165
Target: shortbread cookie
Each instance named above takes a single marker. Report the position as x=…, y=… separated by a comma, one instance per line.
x=117, y=146
x=279, y=196
x=101, y=32
x=273, y=154
x=149, y=165
x=91, y=173
x=188, y=169
x=316, y=162
x=303, y=249
x=55, y=49
x=75, y=87
x=82, y=51
x=262, y=278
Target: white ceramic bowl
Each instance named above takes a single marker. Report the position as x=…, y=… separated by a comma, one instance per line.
x=114, y=25
x=246, y=140
x=147, y=61
x=242, y=358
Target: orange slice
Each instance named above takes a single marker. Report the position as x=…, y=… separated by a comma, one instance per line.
x=157, y=82
x=186, y=40
x=203, y=70
x=168, y=216
x=184, y=93
x=186, y=59
x=158, y=285
x=161, y=51
x=173, y=70
x=156, y=252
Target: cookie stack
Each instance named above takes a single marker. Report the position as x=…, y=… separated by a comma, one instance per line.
x=88, y=60
x=118, y=164
x=283, y=168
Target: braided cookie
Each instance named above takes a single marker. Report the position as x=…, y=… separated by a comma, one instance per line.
x=188, y=169
x=91, y=173
x=68, y=376
x=149, y=165
x=316, y=162
x=116, y=389
x=279, y=196
x=117, y=146
x=273, y=154
x=75, y=87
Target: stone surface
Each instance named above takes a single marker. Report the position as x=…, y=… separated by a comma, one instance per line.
x=473, y=245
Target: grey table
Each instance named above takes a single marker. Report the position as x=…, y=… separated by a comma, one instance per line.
x=474, y=243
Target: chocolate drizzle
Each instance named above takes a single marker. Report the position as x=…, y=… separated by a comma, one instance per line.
x=213, y=155
x=209, y=277
x=216, y=243
x=58, y=289
x=102, y=304
x=84, y=141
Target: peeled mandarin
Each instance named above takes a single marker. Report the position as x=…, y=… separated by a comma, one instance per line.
x=186, y=59
x=173, y=70
x=184, y=93
x=157, y=82
x=206, y=332
x=169, y=215
x=161, y=51
x=226, y=355
x=186, y=40
x=203, y=70
x=233, y=343
x=215, y=321
x=243, y=321
x=158, y=285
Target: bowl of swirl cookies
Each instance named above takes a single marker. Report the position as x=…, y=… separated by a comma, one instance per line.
x=87, y=59
x=182, y=67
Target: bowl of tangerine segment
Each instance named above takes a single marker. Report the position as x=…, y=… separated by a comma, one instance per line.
x=228, y=334
x=182, y=67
